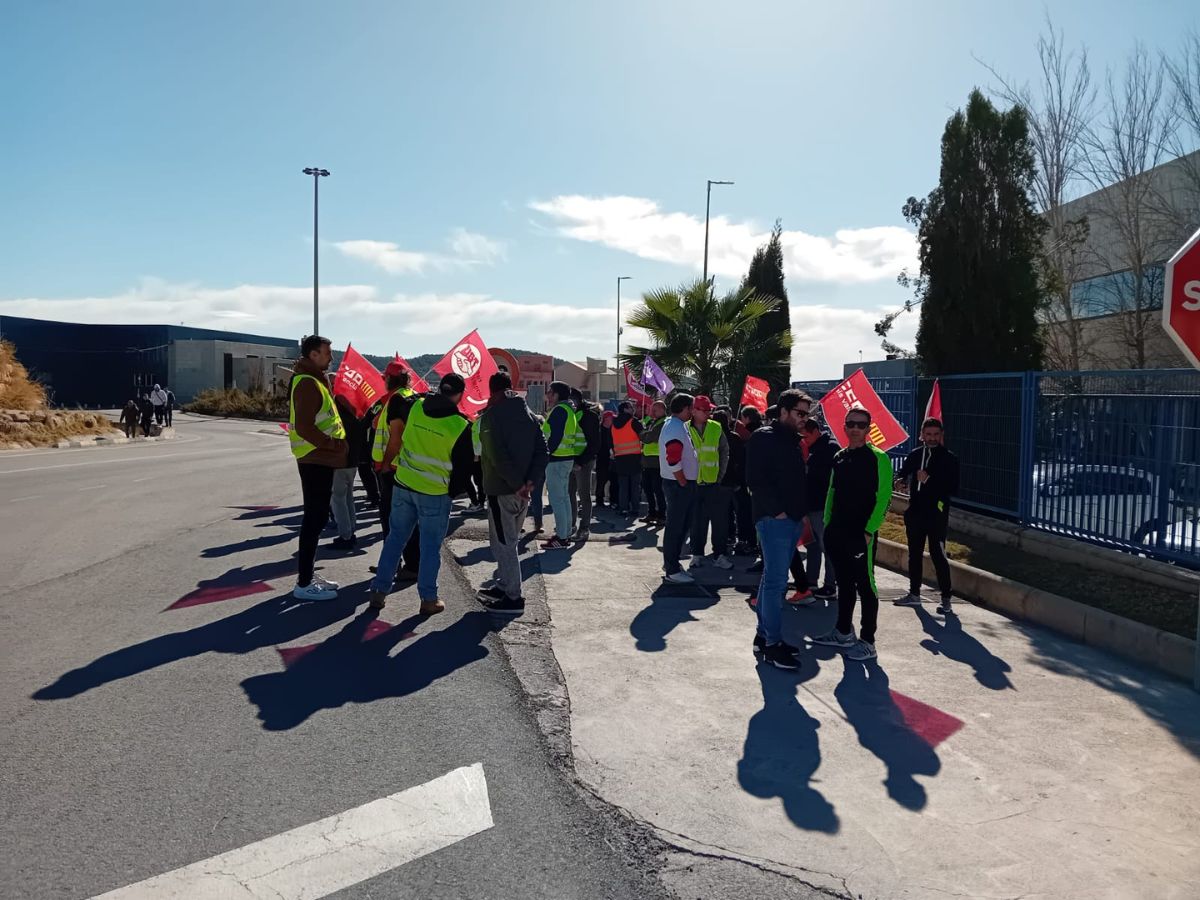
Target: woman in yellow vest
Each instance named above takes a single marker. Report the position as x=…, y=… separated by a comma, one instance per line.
x=434, y=458
x=318, y=443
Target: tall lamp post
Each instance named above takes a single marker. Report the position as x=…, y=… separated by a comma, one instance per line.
x=619, y=280
x=317, y=175
x=707, y=207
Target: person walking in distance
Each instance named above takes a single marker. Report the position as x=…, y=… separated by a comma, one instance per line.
x=158, y=399
x=627, y=459
x=147, y=409
x=318, y=442
x=560, y=430
x=387, y=418
x=652, y=482
x=932, y=474
x=859, y=493
x=343, y=479
x=169, y=408
x=433, y=461
x=679, y=467
x=585, y=465
x=514, y=458
x=821, y=450
x=129, y=418
x=712, y=498
x=776, y=477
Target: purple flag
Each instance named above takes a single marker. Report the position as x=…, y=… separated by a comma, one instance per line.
x=653, y=376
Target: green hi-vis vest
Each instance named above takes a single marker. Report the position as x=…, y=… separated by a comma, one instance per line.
x=580, y=437
x=383, y=427
x=650, y=449
x=328, y=421
x=424, y=463
x=567, y=447
x=476, y=440
x=708, y=451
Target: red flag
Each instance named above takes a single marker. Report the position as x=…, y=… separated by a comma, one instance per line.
x=415, y=381
x=755, y=393
x=470, y=359
x=856, y=391
x=358, y=381
x=933, y=409
x=635, y=391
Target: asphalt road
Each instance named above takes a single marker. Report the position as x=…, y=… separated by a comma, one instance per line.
x=149, y=720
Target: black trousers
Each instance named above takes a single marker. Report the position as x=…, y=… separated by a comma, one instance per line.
x=147, y=421
x=606, y=485
x=411, y=558
x=854, y=565
x=932, y=529
x=799, y=570
x=316, y=488
x=652, y=489
x=746, y=532
x=168, y=412
x=366, y=474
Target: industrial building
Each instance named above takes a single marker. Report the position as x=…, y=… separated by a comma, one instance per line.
x=104, y=365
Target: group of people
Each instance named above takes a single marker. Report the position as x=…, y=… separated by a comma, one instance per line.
x=778, y=487
x=146, y=409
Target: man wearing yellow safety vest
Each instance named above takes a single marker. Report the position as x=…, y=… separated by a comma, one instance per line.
x=652, y=483
x=713, y=499
x=433, y=457
x=562, y=440
x=318, y=443
x=392, y=408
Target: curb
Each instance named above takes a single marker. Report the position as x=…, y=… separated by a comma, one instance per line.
x=168, y=434
x=1135, y=641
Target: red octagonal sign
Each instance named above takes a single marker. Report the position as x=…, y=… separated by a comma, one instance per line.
x=1181, y=299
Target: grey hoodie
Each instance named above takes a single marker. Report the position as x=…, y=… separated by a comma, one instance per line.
x=514, y=449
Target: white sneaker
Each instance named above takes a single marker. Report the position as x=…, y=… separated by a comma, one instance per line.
x=723, y=562
x=680, y=577
x=325, y=582
x=315, y=591
x=861, y=652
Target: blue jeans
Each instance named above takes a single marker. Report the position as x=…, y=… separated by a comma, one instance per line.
x=558, y=485
x=777, y=538
x=408, y=509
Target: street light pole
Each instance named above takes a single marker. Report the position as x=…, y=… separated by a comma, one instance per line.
x=317, y=175
x=707, y=208
x=619, y=280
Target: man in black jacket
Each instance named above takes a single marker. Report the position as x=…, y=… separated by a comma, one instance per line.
x=775, y=475
x=821, y=449
x=514, y=459
x=585, y=463
x=932, y=473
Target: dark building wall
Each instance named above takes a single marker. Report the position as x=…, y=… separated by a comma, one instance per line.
x=103, y=365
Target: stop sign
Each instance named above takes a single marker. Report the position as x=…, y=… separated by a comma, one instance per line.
x=1181, y=299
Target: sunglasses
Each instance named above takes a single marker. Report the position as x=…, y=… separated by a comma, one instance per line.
x=858, y=423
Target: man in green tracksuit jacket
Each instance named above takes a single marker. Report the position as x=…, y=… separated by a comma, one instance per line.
x=860, y=490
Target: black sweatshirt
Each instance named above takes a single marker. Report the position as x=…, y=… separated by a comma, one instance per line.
x=820, y=467
x=932, y=497
x=775, y=473
x=859, y=491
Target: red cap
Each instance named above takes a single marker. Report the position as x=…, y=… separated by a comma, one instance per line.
x=703, y=404
x=395, y=367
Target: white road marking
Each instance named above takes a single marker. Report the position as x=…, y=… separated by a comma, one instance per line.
x=19, y=499
x=317, y=859
x=128, y=459
x=93, y=487
x=140, y=480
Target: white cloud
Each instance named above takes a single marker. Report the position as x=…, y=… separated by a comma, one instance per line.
x=467, y=249
x=638, y=226
x=826, y=337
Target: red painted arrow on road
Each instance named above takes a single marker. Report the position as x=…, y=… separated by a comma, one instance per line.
x=290, y=655
x=929, y=723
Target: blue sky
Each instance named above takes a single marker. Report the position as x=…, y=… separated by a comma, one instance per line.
x=495, y=165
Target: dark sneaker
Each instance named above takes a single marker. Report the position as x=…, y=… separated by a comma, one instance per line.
x=491, y=595
x=834, y=638
x=432, y=607
x=909, y=599
x=778, y=656
x=825, y=593
x=795, y=651
x=343, y=543
x=581, y=535
x=378, y=600
x=944, y=606
x=755, y=567
x=509, y=606
x=556, y=543
x=760, y=643
x=861, y=652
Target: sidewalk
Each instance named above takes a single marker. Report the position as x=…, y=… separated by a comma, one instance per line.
x=980, y=757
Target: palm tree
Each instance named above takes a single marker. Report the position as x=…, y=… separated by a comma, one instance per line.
x=709, y=342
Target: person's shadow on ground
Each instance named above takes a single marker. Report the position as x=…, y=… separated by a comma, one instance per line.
x=346, y=669
x=782, y=753
x=670, y=606
x=275, y=621
x=948, y=639
x=867, y=703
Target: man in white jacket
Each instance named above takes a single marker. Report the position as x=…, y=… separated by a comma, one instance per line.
x=158, y=398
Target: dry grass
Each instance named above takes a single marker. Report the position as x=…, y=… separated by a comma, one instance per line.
x=17, y=390
x=25, y=421
x=239, y=404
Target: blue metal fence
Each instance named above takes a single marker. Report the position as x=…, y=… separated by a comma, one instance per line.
x=1112, y=458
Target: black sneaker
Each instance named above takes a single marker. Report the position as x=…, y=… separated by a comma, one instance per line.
x=343, y=543
x=509, y=606
x=944, y=606
x=825, y=593
x=755, y=567
x=778, y=656
x=760, y=643
x=788, y=648
x=491, y=595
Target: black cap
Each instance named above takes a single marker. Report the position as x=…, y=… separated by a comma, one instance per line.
x=452, y=384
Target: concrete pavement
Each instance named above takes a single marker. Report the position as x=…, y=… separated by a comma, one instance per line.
x=979, y=757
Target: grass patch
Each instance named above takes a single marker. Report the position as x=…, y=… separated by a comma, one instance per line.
x=239, y=404
x=1150, y=604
